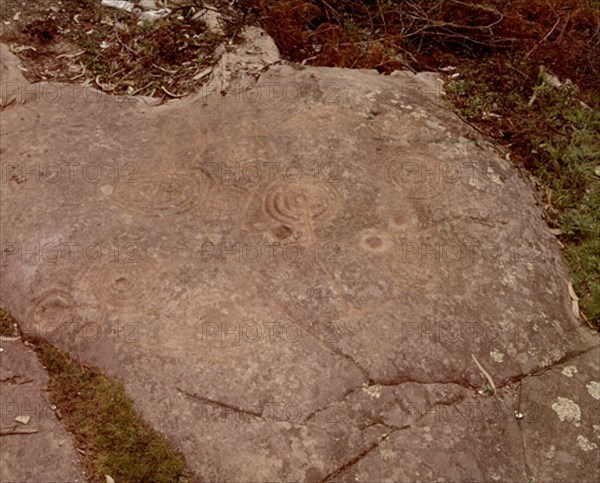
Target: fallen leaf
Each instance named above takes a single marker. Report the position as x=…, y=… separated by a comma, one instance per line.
x=202, y=74
x=572, y=293
x=575, y=308
x=15, y=49
x=485, y=373
x=70, y=56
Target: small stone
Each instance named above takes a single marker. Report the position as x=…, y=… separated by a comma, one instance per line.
x=153, y=15
x=147, y=4
x=120, y=4
x=22, y=419
x=497, y=356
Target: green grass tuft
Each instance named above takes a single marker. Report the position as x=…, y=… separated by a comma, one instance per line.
x=106, y=425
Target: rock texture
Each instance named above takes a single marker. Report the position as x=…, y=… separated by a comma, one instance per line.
x=297, y=274
x=47, y=455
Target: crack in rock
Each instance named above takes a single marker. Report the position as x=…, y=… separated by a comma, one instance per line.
x=221, y=404
x=542, y=370
x=359, y=457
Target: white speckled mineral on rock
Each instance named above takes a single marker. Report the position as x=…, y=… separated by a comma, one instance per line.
x=291, y=278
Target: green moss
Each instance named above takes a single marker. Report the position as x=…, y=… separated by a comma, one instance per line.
x=106, y=425
x=103, y=420
x=481, y=100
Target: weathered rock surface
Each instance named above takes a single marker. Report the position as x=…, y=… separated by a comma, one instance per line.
x=291, y=271
x=47, y=455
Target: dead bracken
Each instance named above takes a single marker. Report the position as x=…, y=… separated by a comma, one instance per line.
x=112, y=49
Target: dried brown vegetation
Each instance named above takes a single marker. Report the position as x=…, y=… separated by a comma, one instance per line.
x=563, y=35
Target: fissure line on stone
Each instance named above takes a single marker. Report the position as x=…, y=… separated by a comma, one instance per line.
x=526, y=467
x=221, y=404
x=351, y=391
x=322, y=344
x=463, y=384
x=358, y=457
x=335, y=285
x=542, y=370
x=343, y=397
